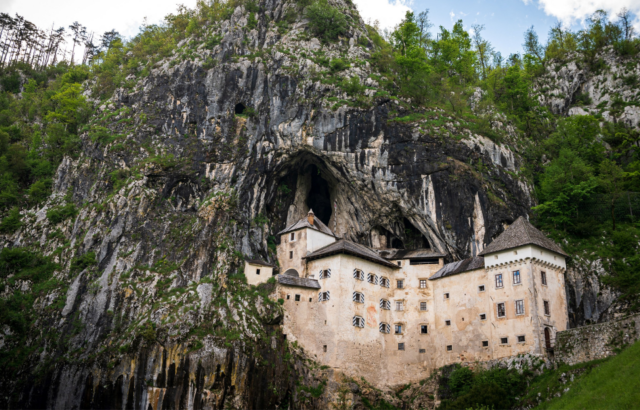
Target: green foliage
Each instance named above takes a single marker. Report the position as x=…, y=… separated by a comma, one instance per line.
x=326, y=21
x=12, y=222
x=59, y=214
x=338, y=64
x=148, y=332
x=352, y=86
x=82, y=262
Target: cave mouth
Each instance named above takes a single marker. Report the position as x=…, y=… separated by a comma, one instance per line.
x=319, y=197
x=413, y=238
x=240, y=108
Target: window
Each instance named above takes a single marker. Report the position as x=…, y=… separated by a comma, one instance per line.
x=424, y=329
x=446, y=296
x=384, y=328
x=324, y=348
x=504, y=340
x=483, y=316
x=384, y=282
x=398, y=329
x=257, y=271
x=485, y=343
x=399, y=263
x=481, y=288
x=543, y=277
x=385, y=304
x=290, y=254
x=519, y=307
x=324, y=296
x=516, y=277
x=447, y=323
x=401, y=284
x=358, y=297
x=399, y=305
x=297, y=298
x=400, y=346
x=449, y=348
x=502, y=311
x=372, y=278
x=293, y=236
x=325, y=274
x=422, y=350
x=521, y=339
x=358, y=321
x=547, y=310
x=310, y=299
x=358, y=274
x=499, y=281
x=423, y=306
x=423, y=283
x=288, y=297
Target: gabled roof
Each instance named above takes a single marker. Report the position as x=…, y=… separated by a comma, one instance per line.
x=462, y=266
x=521, y=233
x=304, y=223
x=414, y=254
x=349, y=248
x=298, y=282
x=259, y=262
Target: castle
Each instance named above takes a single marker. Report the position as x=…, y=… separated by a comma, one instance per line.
x=395, y=315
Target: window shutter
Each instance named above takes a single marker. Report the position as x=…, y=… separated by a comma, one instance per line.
x=388, y=328
x=375, y=279
x=321, y=274
x=319, y=296
x=355, y=321
x=328, y=295
x=328, y=271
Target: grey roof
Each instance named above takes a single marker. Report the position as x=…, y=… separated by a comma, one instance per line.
x=299, y=282
x=462, y=266
x=350, y=248
x=521, y=233
x=304, y=223
x=414, y=254
x=260, y=262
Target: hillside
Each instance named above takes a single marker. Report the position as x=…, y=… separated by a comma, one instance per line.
x=133, y=187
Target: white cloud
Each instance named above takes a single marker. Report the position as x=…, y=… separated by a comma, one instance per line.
x=388, y=12
x=452, y=15
x=571, y=11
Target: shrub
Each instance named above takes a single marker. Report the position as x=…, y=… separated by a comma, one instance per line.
x=252, y=22
x=338, y=64
x=11, y=222
x=352, y=86
x=61, y=213
x=81, y=263
x=326, y=22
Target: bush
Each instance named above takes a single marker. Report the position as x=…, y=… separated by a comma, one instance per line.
x=352, y=86
x=338, y=64
x=11, y=222
x=61, y=213
x=82, y=262
x=326, y=22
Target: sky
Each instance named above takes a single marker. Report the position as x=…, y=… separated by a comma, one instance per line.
x=505, y=21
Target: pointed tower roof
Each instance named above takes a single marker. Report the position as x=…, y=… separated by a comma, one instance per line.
x=521, y=233
x=305, y=223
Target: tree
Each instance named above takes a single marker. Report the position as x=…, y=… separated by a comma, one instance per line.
x=625, y=20
x=611, y=179
x=327, y=22
x=108, y=38
x=79, y=35
x=484, y=50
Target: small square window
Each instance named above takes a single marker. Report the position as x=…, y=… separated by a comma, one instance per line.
x=485, y=343
x=502, y=311
x=422, y=350
x=399, y=305
x=324, y=348
x=401, y=284
x=398, y=329
x=288, y=297
x=423, y=283
x=424, y=329
x=297, y=298
x=399, y=263
x=290, y=254
x=447, y=323
x=293, y=236
x=521, y=339
x=504, y=340
x=483, y=316
x=449, y=348
x=400, y=346
x=481, y=288
x=423, y=306
x=446, y=296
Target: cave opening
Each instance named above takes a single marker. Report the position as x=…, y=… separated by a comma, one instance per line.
x=413, y=238
x=240, y=108
x=319, y=198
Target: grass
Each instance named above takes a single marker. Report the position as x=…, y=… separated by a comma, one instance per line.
x=613, y=385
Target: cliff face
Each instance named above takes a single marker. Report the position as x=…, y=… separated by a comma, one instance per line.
x=211, y=155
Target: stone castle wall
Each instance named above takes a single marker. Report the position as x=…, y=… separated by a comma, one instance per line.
x=597, y=341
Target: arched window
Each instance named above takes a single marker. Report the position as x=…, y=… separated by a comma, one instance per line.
x=325, y=274
x=324, y=296
x=358, y=274
x=385, y=328
x=385, y=304
x=372, y=278
x=384, y=282
x=358, y=321
x=358, y=297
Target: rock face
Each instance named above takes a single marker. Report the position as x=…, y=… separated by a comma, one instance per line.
x=207, y=164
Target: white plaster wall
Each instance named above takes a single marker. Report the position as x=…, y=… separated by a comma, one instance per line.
x=299, y=248
x=251, y=273
x=524, y=252
x=317, y=240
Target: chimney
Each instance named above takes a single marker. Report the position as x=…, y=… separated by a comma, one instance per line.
x=310, y=217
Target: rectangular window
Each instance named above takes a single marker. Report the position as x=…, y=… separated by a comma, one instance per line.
x=293, y=236
x=400, y=346
x=422, y=350
x=519, y=307
x=310, y=299
x=325, y=274
x=288, y=297
x=297, y=298
x=358, y=274
x=449, y=348
x=400, y=284
x=423, y=283
x=358, y=321
x=257, y=271
x=384, y=328
x=447, y=323
x=358, y=297
x=516, y=277
x=399, y=305
x=547, y=310
x=543, y=277
x=424, y=329
x=446, y=296
x=423, y=306
x=384, y=282
x=504, y=340
x=290, y=254
x=385, y=304
x=399, y=263
x=481, y=288
x=398, y=329
x=324, y=296
x=485, y=343
x=483, y=316
x=499, y=281
x=521, y=339
x=502, y=311
x=324, y=348
x=372, y=278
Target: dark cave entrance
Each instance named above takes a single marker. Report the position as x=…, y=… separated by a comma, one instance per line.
x=319, y=198
x=413, y=238
x=240, y=108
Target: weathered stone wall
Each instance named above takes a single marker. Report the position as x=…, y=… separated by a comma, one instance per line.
x=598, y=341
